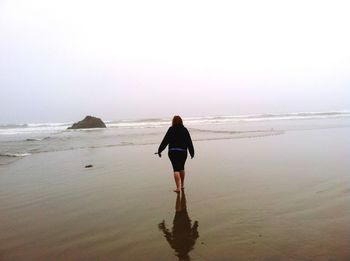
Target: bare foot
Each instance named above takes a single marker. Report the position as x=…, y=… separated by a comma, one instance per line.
x=176, y=190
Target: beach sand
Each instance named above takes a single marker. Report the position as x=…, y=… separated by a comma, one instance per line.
x=282, y=197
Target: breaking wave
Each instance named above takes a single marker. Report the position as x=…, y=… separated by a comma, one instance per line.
x=33, y=139
x=12, y=129
x=14, y=155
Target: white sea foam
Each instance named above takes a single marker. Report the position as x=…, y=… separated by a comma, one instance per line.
x=13, y=129
x=154, y=123
x=15, y=155
x=50, y=128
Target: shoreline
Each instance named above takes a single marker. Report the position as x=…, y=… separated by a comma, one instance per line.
x=7, y=158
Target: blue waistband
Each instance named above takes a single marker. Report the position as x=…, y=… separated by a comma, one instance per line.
x=177, y=149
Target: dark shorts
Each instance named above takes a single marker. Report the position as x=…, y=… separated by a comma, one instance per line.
x=178, y=159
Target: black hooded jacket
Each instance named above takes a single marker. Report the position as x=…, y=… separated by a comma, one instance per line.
x=177, y=136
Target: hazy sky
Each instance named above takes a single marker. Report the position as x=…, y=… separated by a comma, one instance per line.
x=61, y=60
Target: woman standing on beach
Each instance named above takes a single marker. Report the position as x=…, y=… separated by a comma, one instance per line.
x=179, y=140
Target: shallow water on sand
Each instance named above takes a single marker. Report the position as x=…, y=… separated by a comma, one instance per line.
x=283, y=197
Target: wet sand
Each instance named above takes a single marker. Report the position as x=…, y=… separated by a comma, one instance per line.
x=283, y=197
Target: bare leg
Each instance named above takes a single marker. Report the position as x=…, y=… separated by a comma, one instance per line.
x=183, y=201
x=182, y=176
x=177, y=181
x=178, y=204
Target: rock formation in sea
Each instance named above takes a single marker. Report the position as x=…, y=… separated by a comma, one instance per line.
x=89, y=122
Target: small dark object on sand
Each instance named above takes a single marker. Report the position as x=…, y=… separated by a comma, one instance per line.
x=88, y=166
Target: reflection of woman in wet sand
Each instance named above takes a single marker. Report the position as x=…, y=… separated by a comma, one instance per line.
x=183, y=237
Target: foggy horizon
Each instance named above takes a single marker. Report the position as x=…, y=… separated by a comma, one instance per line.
x=63, y=60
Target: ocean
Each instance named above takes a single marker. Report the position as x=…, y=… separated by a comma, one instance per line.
x=21, y=140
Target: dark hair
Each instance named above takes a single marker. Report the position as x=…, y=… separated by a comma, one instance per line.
x=177, y=120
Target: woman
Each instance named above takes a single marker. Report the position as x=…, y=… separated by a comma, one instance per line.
x=179, y=140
